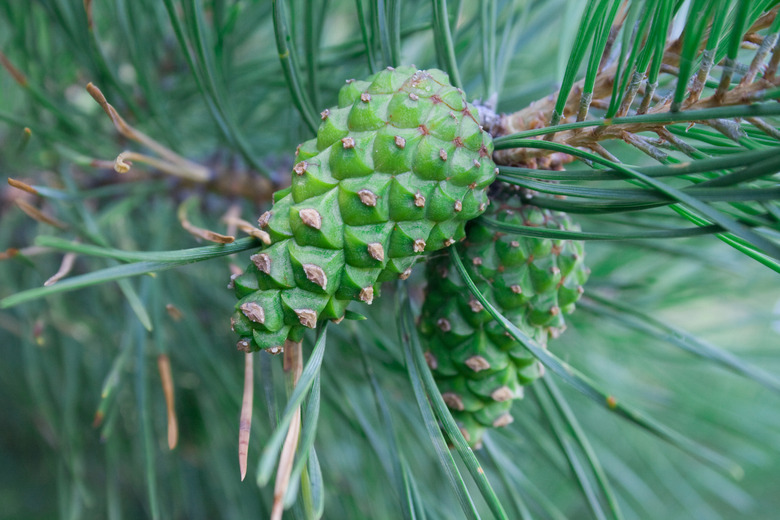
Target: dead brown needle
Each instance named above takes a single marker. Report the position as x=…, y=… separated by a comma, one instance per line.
x=39, y=215
x=62, y=272
x=234, y=222
x=164, y=366
x=19, y=185
x=293, y=365
x=245, y=421
x=205, y=234
x=173, y=163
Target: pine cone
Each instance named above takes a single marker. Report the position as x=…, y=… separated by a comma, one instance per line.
x=396, y=170
x=479, y=368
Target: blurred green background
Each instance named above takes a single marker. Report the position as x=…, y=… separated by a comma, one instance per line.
x=204, y=79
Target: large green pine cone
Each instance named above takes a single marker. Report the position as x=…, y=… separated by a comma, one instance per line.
x=478, y=367
x=396, y=170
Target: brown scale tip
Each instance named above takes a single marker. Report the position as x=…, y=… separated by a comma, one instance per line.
x=501, y=394
x=458, y=141
x=458, y=206
x=262, y=261
x=406, y=274
x=449, y=242
x=514, y=243
x=413, y=96
x=263, y=220
x=244, y=345
x=476, y=306
x=503, y=420
x=315, y=274
x=351, y=80
x=400, y=142
x=278, y=349
x=472, y=185
x=311, y=217
x=419, y=200
x=444, y=324
x=516, y=289
x=443, y=154
x=307, y=317
x=376, y=251
x=453, y=401
x=419, y=245
x=483, y=206
x=477, y=261
x=483, y=151
x=476, y=163
x=495, y=171
x=348, y=143
x=300, y=168
x=365, y=97
x=367, y=295
x=555, y=310
x=253, y=312
x=324, y=114
x=367, y=197
x=477, y=363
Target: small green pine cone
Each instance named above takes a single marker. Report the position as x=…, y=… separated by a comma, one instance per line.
x=396, y=171
x=478, y=367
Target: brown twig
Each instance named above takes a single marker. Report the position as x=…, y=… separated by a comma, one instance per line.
x=676, y=142
x=644, y=146
x=765, y=127
x=758, y=60
x=538, y=113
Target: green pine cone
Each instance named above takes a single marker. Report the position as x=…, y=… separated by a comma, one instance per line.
x=396, y=171
x=478, y=367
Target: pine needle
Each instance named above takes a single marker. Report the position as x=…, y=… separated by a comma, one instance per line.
x=245, y=420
